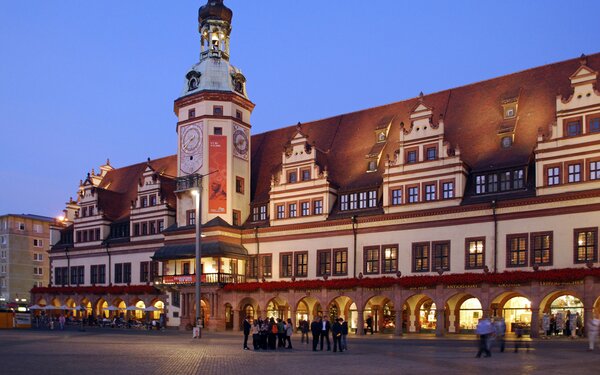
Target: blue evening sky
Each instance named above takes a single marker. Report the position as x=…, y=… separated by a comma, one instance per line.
x=82, y=81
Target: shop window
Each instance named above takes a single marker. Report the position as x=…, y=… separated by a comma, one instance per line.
x=586, y=245
x=516, y=250
x=420, y=257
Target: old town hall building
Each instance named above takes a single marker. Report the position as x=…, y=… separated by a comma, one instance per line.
x=424, y=214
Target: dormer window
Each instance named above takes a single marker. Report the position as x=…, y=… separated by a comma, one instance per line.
x=431, y=153
x=144, y=202
x=192, y=84
x=153, y=200
x=573, y=127
x=381, y=137
x=372, y=166
x=509, y=109
x=305, y=174
x=594, y=125
x=506, y=142
x=292, y=177
x=411, y=156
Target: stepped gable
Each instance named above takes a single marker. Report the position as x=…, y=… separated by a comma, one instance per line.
x=119, y=187
x=472, y=115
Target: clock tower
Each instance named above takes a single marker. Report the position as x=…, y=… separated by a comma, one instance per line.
x=213, y=126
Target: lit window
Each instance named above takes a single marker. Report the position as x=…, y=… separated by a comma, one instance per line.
x=595, y=170
x=420, y=257
x=574, y=172
x=586, y=245
x=553, y=176
x=318, y=207
x=448, y=190
x=413, y=194
x=430, y=192
x=372, y=260
x=475, y=253
x=541, y=248
x=390, y=259
x=517, y=250
x=396, y=197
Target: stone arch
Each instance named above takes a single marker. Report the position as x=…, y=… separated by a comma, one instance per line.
x=308, y=308
x=515, y=307
x=381, y=309
x=277, y=308
x=548, y=299
x=344, y=307
x=464, y=311
x=555, y=308
x=98, y=309
x=414, y=304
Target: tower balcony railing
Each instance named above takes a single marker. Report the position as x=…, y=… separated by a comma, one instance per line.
x=188, y=182
x=218, y=278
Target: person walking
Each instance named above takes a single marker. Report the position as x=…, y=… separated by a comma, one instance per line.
x=592, y=331
x=289, y=330
x=336, y=333
x=344, y=334
x=325, y=328
x=315, y=328
x=247, y=327
x=304, y=328
x=61, y=322
x=500, y=328
x=484, y=330
x=369, y=324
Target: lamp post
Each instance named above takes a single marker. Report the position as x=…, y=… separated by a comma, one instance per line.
x=198, y=194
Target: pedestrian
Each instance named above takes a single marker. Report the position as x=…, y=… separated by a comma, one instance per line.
x=304, y=328
x=289, y=330
x=520, y=331
x=315, y=328
x=370, y=324
x=246, y=327
x=592, y=330
x=255, y=335
x=579, y=324
x=61, y=322
x=344, y=334
x=484, y=329
x=546, y=325
x=552, y=325
x=325, y=328
x=500, y=328
x=272, y=334
x=265, y=330
x=336, y=333
x=281, y=333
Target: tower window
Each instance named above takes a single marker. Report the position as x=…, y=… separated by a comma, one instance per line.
x=191, y=113
x=218, y=110
x=239, y=115
x=218, y=130
x=372, y=166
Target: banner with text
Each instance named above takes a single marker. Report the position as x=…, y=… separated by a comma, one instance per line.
x=217, y=180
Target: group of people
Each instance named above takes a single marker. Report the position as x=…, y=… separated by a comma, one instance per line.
x=570, y=325
x=490, y=331
x=273, y=334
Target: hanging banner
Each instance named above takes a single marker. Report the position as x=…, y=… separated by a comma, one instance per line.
x=217, y=180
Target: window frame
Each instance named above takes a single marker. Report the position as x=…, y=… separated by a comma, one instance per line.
x=372, y=266
x=532, y=241
x=447, y=194
x=324, y=268
x=572, y=120
x=427, y=148
x=426, y=255
x=429, y=196
x=396, y=194
x=286, y=271
x=558, y=176
x=577, y=175
x=343, y=262
x=444, y=245
x=576, y=245
x=389, y=265
x=590, y=118
x=469, y=255
x=510, y=251
x=317, y=206
x=409, y=194
x=264, y=265
x=239, y=185
x=301, y=268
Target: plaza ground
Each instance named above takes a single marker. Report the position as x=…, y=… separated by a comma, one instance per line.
x=113, y=351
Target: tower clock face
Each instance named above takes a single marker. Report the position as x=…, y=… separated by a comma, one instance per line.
x=190, y=148
x=240, y=142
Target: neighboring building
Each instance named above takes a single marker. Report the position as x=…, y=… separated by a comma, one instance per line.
x=424, y=214
x=24, y=263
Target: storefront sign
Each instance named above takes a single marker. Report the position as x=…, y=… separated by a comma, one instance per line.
x=578, y=282
x=508, y=285
x=23, y=320
x=459, y=286
x=179, y=279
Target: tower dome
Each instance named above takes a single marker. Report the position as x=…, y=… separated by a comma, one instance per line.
x=214, y=10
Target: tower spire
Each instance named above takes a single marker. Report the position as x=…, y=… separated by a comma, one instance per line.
x=214, y=25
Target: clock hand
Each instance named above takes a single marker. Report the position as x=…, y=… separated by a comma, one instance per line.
x=188, y=142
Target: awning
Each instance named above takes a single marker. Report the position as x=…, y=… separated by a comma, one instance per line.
x=209, y=249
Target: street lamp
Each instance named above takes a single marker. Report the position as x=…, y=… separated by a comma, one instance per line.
x=197, y=193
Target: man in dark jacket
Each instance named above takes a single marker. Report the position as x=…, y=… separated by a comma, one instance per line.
x=325, y=328
x=315, y=329
x=336, y=332
x=247, y=327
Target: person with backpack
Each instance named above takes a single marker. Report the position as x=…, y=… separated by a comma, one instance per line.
x=272, y=338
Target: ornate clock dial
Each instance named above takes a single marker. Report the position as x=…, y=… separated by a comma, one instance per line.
x=240, y=142
x=190, y=148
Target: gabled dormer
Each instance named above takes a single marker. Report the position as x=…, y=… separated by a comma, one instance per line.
x=381, y=137
x=90, y=225
x=300, y=190
x=425, y=172
x=568, y=159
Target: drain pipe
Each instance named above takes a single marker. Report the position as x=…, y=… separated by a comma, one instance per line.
x=354, y=229
x=109, y=265
x=68, y=267
x=258, y=265
x=495, y=236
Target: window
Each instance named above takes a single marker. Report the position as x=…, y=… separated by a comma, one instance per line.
x=574, y=171
x=586, y=245
x=292, y=210
x=420, y=252
x=153, y=269
x=516, y=250
x=152, y=227
x=191, y=113
x=191, y=217
x=118, y=273
x=266, y=264
x=541, y=249
x=475, y=253
x=136, y=230
x=91, y=211
x=186, y=268
x=305, y=174
x=218, y=130
x=176, y=298
x=573, y=128
x=340, y=262
x=553, y=176
x=372, y=198
x=480, y=184
x=390, y=259
x=318, y=207
x=372, y=166
x=301, y=262
x=21, y=226
x=362, y=199
x=353, y=201
x=285, y=265
x=127, y=273
x=411, y=156
x=236, y=217
x=371, y=260
x=38, y=257
x=430, y=192
x=305, y=208
x=38, y=271
x=344, y=202
x=263, y=212
x=506, y=142
x=280, y=211
x=85, y=236
x=2, y=240
x=252, y=266
x=37, y=228
x=144, y=229
x=323, y=262
x=441, y=256
x=595, y=170
x=396, y=197
x=97, y=232
x=518, y=179
x=61, y=275
x=94, y=273
x=217, y=110
x=144, y=202
x=492, y=183
x=77, y=274
x=239, y=185
x=153, y=200
x=38, y=243
x=292, y=177
x=431, y=153
x=84, y=212
x=3, y=254
x=448, y=190
x=505, y=178
x=239, y=115
x=413, y=194
x=161, y=225
x=594, y=125
x=144, y=272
